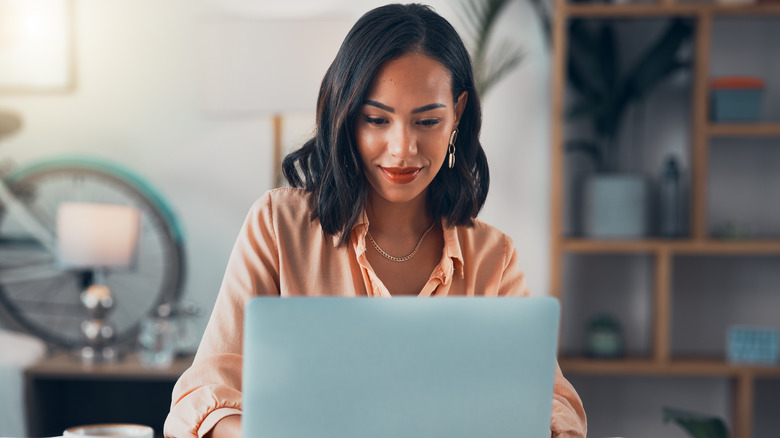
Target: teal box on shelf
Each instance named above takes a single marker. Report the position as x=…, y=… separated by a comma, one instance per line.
x=736, y=99
x=752, y=345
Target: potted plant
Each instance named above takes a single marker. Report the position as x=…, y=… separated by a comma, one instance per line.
x=615, y=203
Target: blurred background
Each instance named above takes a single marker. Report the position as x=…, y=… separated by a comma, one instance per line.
x=137, y=99
x=200, y=98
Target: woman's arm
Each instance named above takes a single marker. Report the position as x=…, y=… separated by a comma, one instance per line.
x=228, y=427
x=210, y=390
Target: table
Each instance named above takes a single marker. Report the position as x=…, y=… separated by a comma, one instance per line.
x=62, y=392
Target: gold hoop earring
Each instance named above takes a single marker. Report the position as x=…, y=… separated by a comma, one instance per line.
x=451, y=148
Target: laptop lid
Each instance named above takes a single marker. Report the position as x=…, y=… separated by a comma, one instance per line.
x=400, y=367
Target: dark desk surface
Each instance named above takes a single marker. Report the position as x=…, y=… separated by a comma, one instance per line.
x=62, y=392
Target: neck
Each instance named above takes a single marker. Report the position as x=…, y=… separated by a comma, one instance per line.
x=398, y=219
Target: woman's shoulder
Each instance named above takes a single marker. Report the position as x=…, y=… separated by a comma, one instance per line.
x=285, y=204
x=283, y=198
x=482, y=236
x=484, y=230
x=288, y=195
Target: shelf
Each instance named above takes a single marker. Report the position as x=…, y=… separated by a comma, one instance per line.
x=674, y=9
x=65, y=366
x=703, y=247
x=744, y=130
x=679, y=367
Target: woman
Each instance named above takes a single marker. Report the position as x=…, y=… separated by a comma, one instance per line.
x=383, y=202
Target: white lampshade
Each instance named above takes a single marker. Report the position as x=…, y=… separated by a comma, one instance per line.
x=266, y=66
x=93, y=235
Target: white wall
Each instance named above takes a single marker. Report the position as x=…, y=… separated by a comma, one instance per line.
x=136, y=103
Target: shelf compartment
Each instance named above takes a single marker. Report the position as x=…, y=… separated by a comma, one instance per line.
x=742, y=188
x=712, y=294
x=614, y=285
x=632, y=405
x=746, y=46
x=766, y=400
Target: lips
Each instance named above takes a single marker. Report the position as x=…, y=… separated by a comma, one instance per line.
x=401, y=175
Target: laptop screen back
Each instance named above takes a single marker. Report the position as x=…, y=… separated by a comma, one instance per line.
x=401, y=367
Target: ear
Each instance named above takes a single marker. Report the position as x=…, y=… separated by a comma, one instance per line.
x=460, y=106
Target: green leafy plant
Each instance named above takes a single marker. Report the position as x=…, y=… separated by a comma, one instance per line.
x=604, y=92
x=697, y=425
x=490, y=66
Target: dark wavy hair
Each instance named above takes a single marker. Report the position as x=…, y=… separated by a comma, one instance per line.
x=329, y=167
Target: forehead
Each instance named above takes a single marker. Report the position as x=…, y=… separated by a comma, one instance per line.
x=412, y=76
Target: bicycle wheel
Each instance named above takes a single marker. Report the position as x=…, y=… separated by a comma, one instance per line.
x=42, y=298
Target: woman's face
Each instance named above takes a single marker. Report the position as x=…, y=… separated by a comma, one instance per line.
x=404, y=126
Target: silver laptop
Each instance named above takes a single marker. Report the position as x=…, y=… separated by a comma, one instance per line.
x=400, y=367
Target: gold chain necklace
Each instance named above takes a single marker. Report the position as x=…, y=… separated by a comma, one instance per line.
x=399, y=259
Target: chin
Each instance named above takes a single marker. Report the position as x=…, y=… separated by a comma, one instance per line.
x=400, y=193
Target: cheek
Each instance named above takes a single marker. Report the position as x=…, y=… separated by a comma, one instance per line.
x=435, y=142
x=369, y=142
x=364, y=144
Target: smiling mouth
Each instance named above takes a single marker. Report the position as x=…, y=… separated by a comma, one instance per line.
x=400, y=175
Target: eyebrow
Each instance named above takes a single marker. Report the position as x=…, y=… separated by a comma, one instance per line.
x=421, y=109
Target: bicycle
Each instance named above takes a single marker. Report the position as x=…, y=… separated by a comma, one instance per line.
x=40, y=297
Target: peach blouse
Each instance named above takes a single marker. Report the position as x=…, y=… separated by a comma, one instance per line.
x=280, y=251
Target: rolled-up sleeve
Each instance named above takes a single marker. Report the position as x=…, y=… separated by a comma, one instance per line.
x=211, y=388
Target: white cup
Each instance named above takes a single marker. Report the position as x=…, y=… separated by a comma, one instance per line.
x=110, y=431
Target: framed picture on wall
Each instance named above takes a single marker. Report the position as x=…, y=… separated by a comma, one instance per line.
x=36, y=46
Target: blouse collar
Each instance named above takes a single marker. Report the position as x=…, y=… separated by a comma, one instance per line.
x=452, y=257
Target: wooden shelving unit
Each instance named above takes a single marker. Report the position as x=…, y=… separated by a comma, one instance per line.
x=702, y=131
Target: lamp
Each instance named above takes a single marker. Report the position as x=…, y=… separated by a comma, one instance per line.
x=97, y=238
x=267, y=67
x=36, y=46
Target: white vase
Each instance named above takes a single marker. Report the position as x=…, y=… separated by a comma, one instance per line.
x=615, y=206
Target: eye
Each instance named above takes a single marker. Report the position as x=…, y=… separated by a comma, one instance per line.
x=429, y=122
x=375, y=120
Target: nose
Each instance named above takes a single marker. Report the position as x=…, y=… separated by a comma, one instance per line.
x=402, y=143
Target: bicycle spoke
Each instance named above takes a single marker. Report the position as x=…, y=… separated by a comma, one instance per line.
x=47, y=308
x=24, y=274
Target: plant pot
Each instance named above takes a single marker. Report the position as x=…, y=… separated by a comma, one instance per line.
x=615, y=206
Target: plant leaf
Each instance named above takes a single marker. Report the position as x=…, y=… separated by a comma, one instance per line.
x=584, y=64
x=506, y=58
x=543, y=12
x=697, y=425
x=660, y=60
x=607, y=55
x=481, y=16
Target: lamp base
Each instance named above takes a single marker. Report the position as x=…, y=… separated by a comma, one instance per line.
x=105, y=354
x=98, y=331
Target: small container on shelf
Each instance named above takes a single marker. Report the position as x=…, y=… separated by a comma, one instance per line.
x=670, y=202
x=736, y=98
x=604, y=338
x=749, y=345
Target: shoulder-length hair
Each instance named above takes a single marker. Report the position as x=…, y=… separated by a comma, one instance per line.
x=329, y=167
